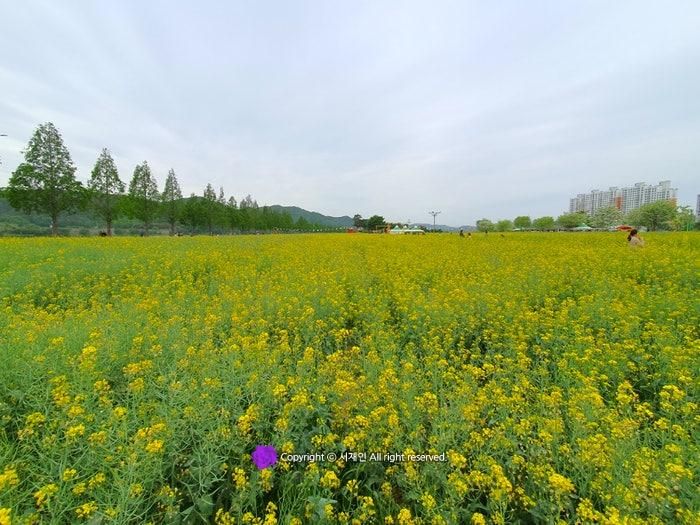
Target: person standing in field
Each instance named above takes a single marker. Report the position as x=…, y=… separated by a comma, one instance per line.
x=633, y=239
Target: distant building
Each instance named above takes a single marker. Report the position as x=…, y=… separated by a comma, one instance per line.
x=697, y=210
x=624, y=199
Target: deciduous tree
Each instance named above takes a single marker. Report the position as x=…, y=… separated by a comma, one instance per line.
x=522, y=222
x=572, y=220
x=193, y=213
x=210, y=207
x=606, y=217
x=375, y=221
x=544, y=223
x=484, y=225
x=653, y=215
x=358, y=221
x=105, y=188
x=172, y=200
x=504, y=225
x=143, y=198
x=684, y=219
x=45, y=182
x=248, y=202
x=302, y=224
x=232, y=214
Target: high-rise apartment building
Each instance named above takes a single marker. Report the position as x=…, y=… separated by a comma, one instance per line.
x=697, y=210
x=624, y=199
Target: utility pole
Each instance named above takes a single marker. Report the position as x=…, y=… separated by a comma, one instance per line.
x=434, y=214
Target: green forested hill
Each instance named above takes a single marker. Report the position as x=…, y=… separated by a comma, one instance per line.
x=313, y=217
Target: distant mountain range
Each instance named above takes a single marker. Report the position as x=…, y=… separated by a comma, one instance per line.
x=313, y=217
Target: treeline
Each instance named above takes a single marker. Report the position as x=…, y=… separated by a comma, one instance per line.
x=655, y=216
x=375, y=222
x=45, y=183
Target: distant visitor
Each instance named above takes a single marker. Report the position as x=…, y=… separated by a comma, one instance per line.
x=633, y=239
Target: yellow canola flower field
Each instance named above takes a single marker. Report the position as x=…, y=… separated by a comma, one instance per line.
x=542, y=378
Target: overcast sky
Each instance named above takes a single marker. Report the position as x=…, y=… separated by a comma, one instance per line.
x=476, y=109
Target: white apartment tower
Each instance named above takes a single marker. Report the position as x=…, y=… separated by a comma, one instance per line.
x=624, y=199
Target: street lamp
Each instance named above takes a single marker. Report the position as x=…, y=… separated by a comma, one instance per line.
x=434, y=214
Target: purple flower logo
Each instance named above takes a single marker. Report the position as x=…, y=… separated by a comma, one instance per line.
x=264, y=456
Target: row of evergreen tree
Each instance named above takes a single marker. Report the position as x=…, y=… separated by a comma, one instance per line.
x=46, y=183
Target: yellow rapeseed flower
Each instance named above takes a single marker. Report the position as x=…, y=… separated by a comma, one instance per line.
x=86, y=510
x=69, y=474
x=266, y=479
x=330, y=480
x=75, y=431
x=42, y=495
x=8, y=478
x=477, y=519
x=155, y=446
x=239, y=478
